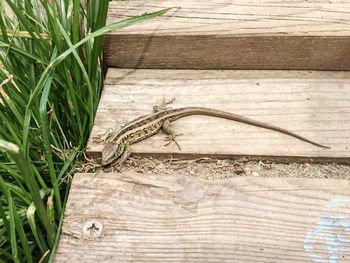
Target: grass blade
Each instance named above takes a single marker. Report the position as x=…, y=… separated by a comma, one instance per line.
x=33, y=187
x=48, y=152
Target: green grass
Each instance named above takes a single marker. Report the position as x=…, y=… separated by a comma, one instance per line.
x=51, y=78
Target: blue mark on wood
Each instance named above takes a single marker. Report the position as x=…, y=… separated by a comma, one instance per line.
x=332, y=232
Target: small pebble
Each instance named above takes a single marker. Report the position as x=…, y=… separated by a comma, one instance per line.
x=255, y=174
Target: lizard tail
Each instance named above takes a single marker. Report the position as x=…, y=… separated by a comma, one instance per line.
x=182, y=112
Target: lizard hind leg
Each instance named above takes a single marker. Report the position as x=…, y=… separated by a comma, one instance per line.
x=170, y=134
x=163, y=105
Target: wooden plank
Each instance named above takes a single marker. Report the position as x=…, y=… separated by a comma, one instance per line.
x=226, y=34
x=160, y=218
x=313, y=104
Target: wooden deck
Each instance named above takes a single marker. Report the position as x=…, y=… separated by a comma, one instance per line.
x=158, y=218
x=313, y=104
x=226, y=34
x=143, y=217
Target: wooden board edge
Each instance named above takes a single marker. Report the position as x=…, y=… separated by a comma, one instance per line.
x=95, y=155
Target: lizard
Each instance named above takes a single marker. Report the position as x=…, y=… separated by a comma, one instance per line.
x=115, y=150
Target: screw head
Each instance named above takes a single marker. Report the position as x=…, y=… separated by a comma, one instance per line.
x=92, y=228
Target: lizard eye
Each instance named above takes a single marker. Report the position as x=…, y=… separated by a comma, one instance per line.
x=109, y=152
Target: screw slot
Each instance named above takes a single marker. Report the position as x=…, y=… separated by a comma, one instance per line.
x=92, y=228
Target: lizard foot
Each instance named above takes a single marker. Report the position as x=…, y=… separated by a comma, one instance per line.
x=171, y=138
x=163, y=105
x=104, y=137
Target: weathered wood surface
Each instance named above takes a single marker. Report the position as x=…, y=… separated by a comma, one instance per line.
x=313, y=104
x=161, y=218
x=226, y=34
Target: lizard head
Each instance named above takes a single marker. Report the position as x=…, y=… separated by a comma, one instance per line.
x=111, y=152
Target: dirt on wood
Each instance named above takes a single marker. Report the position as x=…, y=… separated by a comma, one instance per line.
x=218, y=169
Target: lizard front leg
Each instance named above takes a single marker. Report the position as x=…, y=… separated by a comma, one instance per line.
x=118, y=164
x=104, y=137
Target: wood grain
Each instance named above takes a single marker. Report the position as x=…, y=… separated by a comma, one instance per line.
x=162, y=218
x=313, y=104
x=226, y=34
